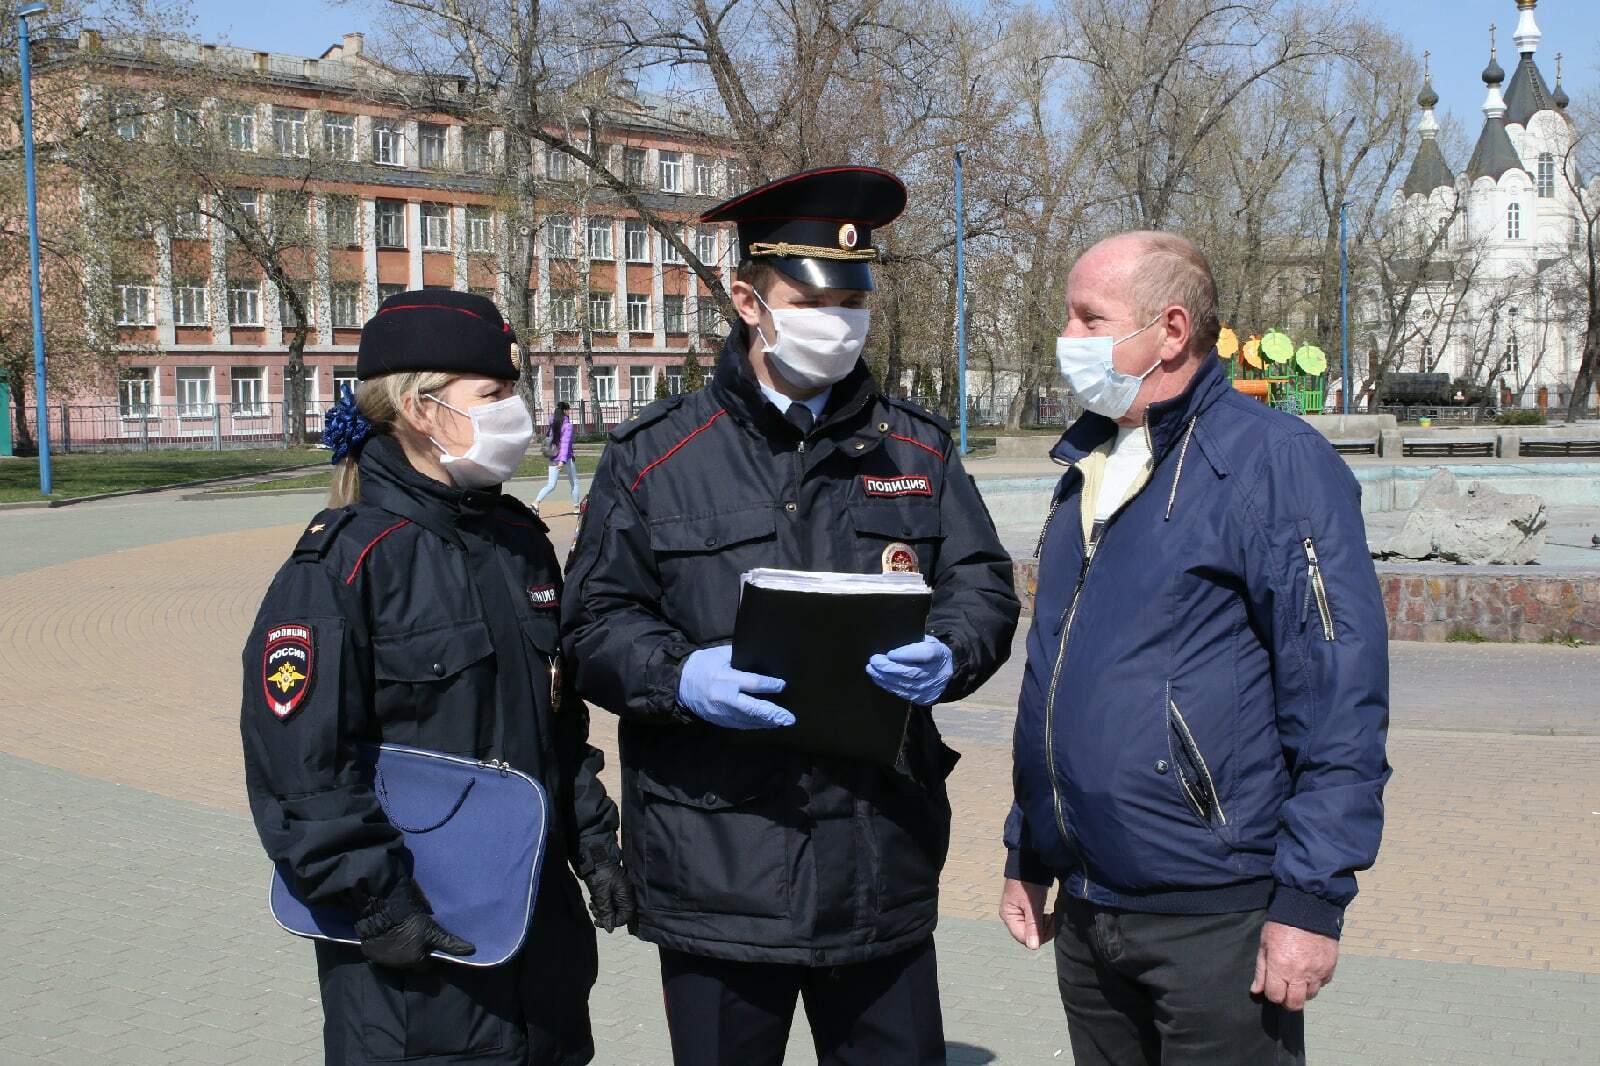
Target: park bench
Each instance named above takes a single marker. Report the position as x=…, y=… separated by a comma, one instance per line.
x=1559, y=446
x=1355, y=445
x=1449, y=446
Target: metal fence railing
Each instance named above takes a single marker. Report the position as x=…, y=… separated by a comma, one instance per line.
x=160, y=427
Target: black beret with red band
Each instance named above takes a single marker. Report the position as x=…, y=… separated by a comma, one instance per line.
x=438, y=330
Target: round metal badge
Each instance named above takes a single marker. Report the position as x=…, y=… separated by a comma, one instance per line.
x=848, y=237
x=899, y=558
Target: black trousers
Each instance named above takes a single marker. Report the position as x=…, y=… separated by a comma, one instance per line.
x=1168, y=990
x=530, y=1011
x=879, y=1013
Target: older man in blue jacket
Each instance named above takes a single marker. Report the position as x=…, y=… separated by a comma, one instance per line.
x=1199, y=747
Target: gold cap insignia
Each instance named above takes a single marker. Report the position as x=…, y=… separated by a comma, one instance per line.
x=848, y=237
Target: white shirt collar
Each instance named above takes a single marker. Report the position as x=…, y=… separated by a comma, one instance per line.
x=782, y=402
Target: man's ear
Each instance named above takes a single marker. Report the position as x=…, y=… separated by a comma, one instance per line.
x=743, y=295
x=1176, y=329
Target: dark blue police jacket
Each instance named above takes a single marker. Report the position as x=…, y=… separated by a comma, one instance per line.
x=1202, y=721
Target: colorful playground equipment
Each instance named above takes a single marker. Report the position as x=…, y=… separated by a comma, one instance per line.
x=1274, y=371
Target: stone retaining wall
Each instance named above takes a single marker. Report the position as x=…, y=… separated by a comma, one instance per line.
x=1429, y=602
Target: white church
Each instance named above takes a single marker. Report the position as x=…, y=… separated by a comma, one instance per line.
x=1502, y=305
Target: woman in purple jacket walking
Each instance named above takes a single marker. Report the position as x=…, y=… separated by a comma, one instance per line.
x=558, y=447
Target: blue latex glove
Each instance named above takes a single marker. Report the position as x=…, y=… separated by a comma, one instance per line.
x=916, y=672
x=711, y=688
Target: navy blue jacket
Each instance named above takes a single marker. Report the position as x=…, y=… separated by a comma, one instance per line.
x=1202, y=722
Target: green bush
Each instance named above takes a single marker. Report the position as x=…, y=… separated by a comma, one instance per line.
x=1520, y=418
x=1462, y=635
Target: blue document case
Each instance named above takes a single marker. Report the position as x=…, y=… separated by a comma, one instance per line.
x=476, y=835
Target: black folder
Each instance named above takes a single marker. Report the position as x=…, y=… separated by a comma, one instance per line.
x=819, y=642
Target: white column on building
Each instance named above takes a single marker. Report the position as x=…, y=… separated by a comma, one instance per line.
x=454, y=148
x=166, y=333
x=412, y=153
x=619, y=285
x=458, y=238
x=364, y=138
x=414, y=238
x=547, y=337
x=502, y=266
x=658, y=299
x=217, y=299
x=369, y=258
x=271, y=298
x=321, y=276
x=497, y=145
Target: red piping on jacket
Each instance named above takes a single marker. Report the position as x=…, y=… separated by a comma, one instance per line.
x=918, y=443
x=356, y=569
x=673, y=450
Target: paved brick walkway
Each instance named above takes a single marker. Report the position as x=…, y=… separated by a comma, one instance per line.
x=130, y=881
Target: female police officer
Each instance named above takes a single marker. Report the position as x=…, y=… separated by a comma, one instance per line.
x=431, y=601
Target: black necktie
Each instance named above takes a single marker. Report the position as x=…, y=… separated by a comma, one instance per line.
x=800, y=417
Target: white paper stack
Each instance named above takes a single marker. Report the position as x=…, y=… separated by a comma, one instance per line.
x=824, y=582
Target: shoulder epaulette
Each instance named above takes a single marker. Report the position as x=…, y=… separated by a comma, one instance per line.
x=649, y=416
x=918, y=411
x=320, y=533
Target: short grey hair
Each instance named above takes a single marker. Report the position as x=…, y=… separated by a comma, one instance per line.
x=1171, y=269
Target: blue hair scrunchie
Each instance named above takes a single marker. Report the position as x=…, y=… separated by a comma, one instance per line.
x=345, y=429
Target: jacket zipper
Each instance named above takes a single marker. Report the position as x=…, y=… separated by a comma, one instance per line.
x=1061, y=650
x=1039, y=547
x=1200, y=756
x=1315, y=587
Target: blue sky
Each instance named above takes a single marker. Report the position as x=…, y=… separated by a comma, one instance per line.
x=1455, y=31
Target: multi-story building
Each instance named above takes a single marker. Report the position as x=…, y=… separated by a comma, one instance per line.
x=400, y=199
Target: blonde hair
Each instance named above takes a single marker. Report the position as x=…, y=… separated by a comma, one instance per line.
x=1171, y=270
x=381, y=401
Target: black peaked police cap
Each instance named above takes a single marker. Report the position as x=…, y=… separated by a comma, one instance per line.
x=437, y=329
x=816, y=226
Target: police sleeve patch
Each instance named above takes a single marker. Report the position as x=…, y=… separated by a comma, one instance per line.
x=286, y=668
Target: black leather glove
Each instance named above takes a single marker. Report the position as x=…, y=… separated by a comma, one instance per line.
x=399, y=930
x=610, y=896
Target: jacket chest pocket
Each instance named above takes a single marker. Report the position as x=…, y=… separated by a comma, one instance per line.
x=427, y=679
x=700, y=560
x=884, y=532
x=543, y=629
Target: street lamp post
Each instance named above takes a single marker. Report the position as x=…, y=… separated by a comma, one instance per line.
x=961, y=305
x=43, y=417
x=1344, y=311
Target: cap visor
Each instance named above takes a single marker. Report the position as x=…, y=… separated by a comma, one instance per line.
x=825, y=273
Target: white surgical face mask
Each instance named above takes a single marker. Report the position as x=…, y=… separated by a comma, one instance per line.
x=816, y=346
x=1092, y=376
x=501, y=433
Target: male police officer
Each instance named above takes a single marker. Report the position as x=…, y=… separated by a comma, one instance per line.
x=764, y=873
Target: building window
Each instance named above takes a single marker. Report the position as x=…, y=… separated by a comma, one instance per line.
x=1513, y=357
x=669, y=251
x=135, y=391
x=309, y=383
x=387, y=289
x=247, y=208
x=344, y=377
x=194, y=391
x=1513, y=221
x=239, y=129
x=189, y=303
x=1547, y=175
x=289, y=210
x=286, y=316
x=391, y=216
x=189, y=223
x=638, y=313
x=563, y=309
x=388, y=144
x=604, y=382
x=633, y=160
x=601, y=306
x=289, y=131
x=186, y=126
x=345, y=298
x=558, y=236
x=135, y=306
x=674, y=376
x=672, y=313
x=478, y=155
x=339, y=136
x=705, y=246
x=244, y=303
x=735, y=180
x=671, y=172
x=248, y=390
x=636, y=241
x=342, y=221
x=557, y=165
x=641, y=384
x=600, y=238
x=702, y=177
x=430, y=145
x=566, y=382
x=480, y=230
x=707, y=319
x=436, y=227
